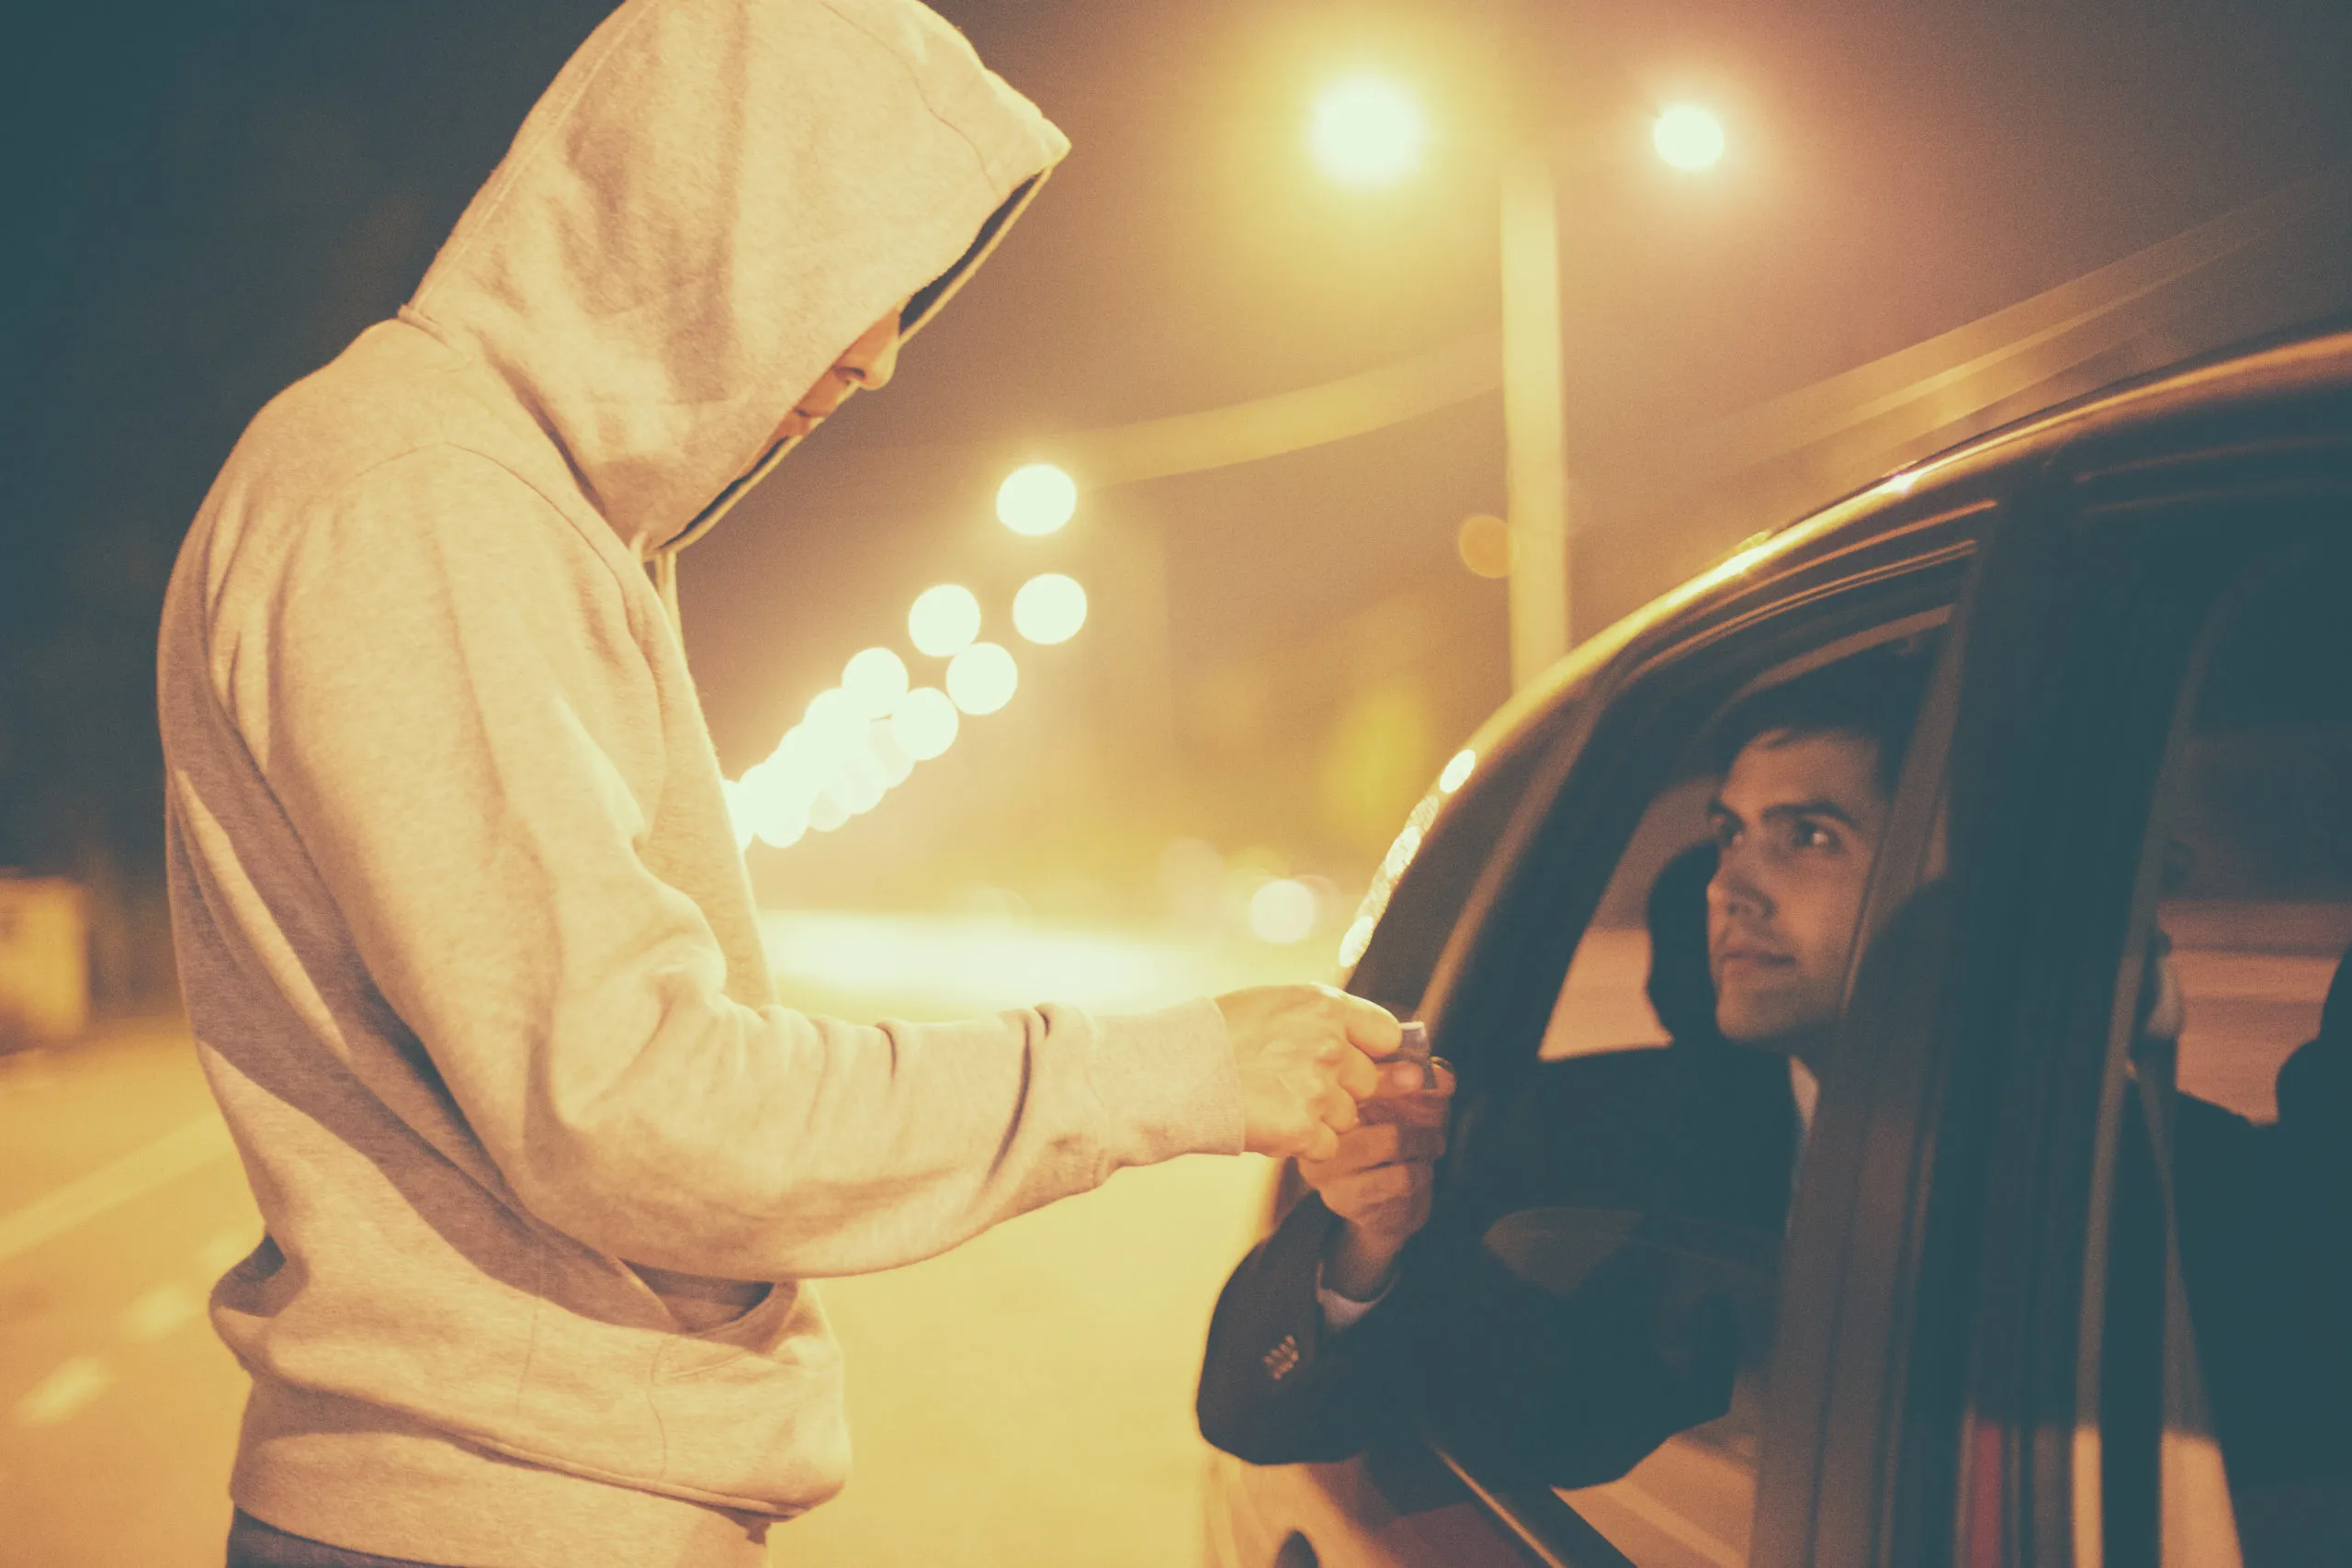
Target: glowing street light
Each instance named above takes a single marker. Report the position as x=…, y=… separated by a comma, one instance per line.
x=982, y=678
x=945, y=620
x=1367, y=131
x=1036, y=499
x=1050, y=608
x=1688, y=137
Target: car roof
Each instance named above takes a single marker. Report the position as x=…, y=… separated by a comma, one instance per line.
x=2290, y=388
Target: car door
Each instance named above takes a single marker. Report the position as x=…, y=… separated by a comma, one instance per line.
x=2018, y=1332
x=1533, y=954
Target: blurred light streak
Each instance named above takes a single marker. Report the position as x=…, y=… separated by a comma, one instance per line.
x=1289, y=422
x=1036, y=499
x=134, y=1175
x=1050, y=608
x=160, y=1311
x=965, y=963
x=61, y=1395
x=1457, y=770
x=943, y=620
x=1923, y=374
x=1947, y=377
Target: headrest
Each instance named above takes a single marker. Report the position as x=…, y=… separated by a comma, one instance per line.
x=1681, y=988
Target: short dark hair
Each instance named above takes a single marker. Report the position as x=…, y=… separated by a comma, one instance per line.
x=1871, y=696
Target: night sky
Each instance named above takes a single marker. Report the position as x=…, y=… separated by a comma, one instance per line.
x=210, y=201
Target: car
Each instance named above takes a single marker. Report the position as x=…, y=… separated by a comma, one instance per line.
x=2127, y=798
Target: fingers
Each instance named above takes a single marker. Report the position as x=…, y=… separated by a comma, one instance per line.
x=1337, y=1108
x=1321, y=1144
x=1371, y=1028
x=1394, y=1197
x=1356, y=1074
x=1373, y=1145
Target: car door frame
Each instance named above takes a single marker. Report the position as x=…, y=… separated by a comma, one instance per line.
x=1947, y=1334
x=1909, y=561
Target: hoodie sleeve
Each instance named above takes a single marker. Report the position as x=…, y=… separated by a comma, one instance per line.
x=440, y=684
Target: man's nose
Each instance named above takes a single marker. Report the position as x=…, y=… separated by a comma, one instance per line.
x=872, y=368
x=1732, y=890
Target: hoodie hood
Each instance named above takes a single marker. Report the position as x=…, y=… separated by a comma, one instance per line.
x=712, y=201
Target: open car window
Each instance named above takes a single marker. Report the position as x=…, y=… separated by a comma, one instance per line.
x=1628, y=1192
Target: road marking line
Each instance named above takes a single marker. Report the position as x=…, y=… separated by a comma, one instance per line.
x=135, y=1175
x=160, y=1311
x=61, y=1394
x=225, y=1251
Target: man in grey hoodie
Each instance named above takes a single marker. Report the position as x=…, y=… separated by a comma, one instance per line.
x=467, y=948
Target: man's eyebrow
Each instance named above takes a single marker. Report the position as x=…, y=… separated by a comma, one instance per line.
x=1817, y=807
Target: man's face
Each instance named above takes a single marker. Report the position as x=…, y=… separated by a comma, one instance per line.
x=867, y=364
x=1797, y=821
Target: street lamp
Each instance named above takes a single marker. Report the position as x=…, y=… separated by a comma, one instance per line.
x=1367, y=131
x=1688, y=137
x=1036, y=499
x=1534, y=418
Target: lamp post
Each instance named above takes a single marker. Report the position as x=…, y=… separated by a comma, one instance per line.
x=1535, y=452
x=1366, y=130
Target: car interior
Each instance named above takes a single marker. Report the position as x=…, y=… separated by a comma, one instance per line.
x=2229, y=1224
x=2241, y=1060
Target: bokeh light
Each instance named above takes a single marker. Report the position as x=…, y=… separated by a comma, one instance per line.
x=1485, y=545
x=1688, y=137
x=1282, y=911
x=833, y=723
x=1457, y=770
x=1401, y=853
x=875, y=681
x=1367, y=131
x=945, y=620
x=776, y=803
x=859, y=780
x=982, y=678
x=924, y=723
x=827, y=812
x=1050, y=608
x=882, y=740
x=1036, y=499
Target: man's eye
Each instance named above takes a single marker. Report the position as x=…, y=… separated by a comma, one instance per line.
x=1726, y=833
x=1810, y=836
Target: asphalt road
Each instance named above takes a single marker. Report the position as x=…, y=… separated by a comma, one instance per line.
x=1025, y=1400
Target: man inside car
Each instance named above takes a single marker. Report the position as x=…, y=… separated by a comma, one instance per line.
x=1320, y=1340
